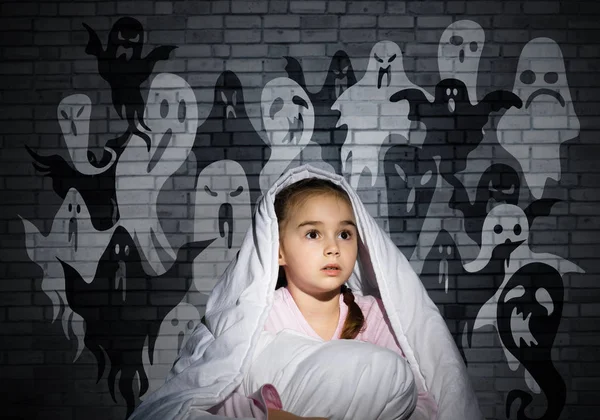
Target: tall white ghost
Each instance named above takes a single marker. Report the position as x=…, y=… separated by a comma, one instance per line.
x=288, y=118
x=142, y=170
x=369, y=114
x=459, y=52
x=223, y=213
x=547, y=117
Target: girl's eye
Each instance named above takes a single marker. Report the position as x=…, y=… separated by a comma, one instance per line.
x=313, y=234
x=346, y=235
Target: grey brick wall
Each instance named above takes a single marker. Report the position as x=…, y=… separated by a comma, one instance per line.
x=42, y=47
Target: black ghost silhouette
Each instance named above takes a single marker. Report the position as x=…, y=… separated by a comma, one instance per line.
x=119, y=307
x=98, y=191
x=529, y=313
x=340, y=77
x=228, y=133
x=454, y=126
x=124, y=73
x=410, y=179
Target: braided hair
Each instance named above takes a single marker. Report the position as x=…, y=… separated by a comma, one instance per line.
x=293, y=196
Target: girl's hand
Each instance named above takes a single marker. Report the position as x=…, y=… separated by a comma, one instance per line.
x=284, y=415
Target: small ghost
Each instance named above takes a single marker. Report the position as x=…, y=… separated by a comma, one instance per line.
x=369, y=114
x=459, y=52
x=172, y=116
x=73, y=239
x=123, y=67
x=288, y=118
x=222, y=213
x=73, y=115
x=548, y=116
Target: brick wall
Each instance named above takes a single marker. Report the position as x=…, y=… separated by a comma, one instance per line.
x=44, y=374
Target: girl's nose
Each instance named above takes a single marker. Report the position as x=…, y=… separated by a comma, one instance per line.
x=332, y=249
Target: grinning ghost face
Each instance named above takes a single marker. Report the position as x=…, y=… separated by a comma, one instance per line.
x=287, y=113
x=385, y=58
x=459, y=52
x=530, y=308
x=499, y=184
x=223, y=211
x=126, y=39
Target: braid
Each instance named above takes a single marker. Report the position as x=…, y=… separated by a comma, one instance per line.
x=355, y=318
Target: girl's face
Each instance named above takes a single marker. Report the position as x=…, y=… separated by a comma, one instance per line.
x=318, y=245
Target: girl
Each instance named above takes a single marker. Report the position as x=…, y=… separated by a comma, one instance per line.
x=310, y=238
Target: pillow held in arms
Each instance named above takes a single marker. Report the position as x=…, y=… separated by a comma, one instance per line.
x=217, y=357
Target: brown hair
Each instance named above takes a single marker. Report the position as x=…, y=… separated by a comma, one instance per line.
x=290, y=198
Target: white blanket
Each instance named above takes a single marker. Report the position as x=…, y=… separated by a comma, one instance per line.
x=218, y=356
x=330, y=379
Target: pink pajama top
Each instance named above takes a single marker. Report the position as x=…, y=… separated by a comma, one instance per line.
x=285, y=314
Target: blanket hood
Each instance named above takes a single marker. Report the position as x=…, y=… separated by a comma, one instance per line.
x=217, y=356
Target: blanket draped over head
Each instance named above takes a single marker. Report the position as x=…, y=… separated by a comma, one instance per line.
x=217, y=355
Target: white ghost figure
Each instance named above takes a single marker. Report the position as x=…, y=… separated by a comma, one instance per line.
x=222, y=212
x=547, y=117
x=459, y=51
x=172, y=115
x=508, y=223
x=370, y=116
x=73, y=115
x=74, y=240
x=288, y=118
x=174, y=332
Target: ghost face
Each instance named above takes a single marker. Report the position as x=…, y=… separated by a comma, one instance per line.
x=222, y=212
x=229, y=95
x=451, y=92
x=530, y=308
x=126, y=39
x=499, y=184
x=172, y=115
x=384, y=56
x=343, y=75
x=442, y=265
x=459, y=52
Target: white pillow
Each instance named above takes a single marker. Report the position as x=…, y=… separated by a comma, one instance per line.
x=337, y=379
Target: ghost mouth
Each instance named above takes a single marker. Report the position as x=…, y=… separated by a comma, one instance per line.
x=296, y=129
x=160, y=149
x=124, y=51
x=550, y=92
x=230, y=109
x=383, y=72
x=521, y=332
x=339, y=86
x=451, y=105
x=72, y=235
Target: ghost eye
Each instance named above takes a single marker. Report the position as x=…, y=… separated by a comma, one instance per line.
x=528, y=77
x=448, y=250
x=127, y=250
x=299, y=101
x=208, y=191
x=164, y=108
x=223, y=98
x=473, y=46
x=181, y=111
x=336, y=72
x=377, y=58
x=498, y=229
x=70, y=207
x=78, y=208
x=551, y=77
x=517, y=229
x=117, y=249
x=392, y=58
x=120, y=36
x=275, y=107
x=456, y=40
x=237, y=192
x=136, y=39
